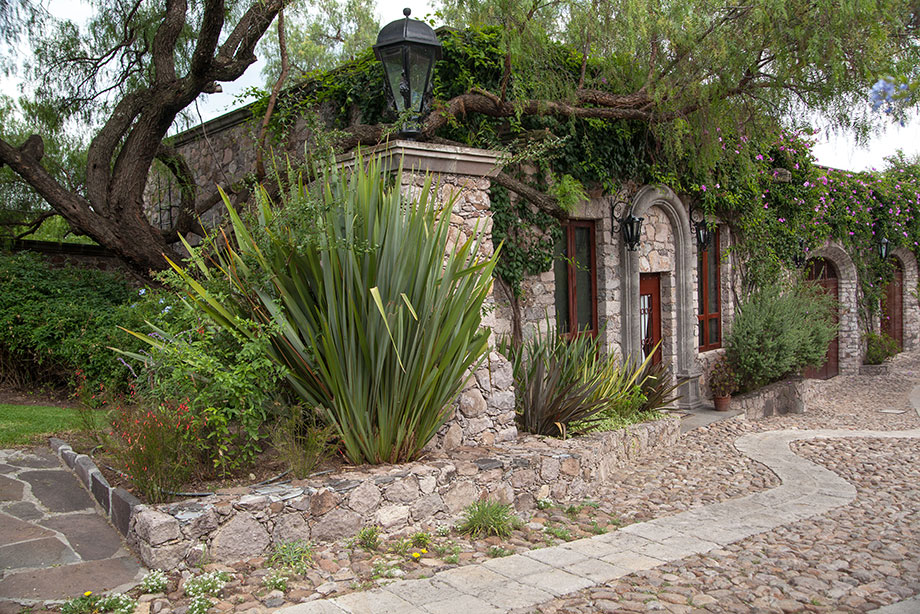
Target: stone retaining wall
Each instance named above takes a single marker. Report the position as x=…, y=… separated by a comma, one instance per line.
x=243, y=523
x=789, y=396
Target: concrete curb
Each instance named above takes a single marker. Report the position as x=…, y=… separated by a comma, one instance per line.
x=117, y=503
x=528, y=579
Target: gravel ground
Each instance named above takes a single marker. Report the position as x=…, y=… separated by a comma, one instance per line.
x=859, y=557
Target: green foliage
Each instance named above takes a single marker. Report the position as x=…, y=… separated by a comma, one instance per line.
x=54, y=321
x=487, y=517
x=558, y=532
x=879, y=348
x=293, y=556
x=778, y=331
x=377, y=335
x=496, y=552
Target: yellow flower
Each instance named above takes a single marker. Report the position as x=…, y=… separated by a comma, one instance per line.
x=416, y=555
x=87, y=593
x=424, y=551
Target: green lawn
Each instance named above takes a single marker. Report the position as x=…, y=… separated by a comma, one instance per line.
x=24, y=424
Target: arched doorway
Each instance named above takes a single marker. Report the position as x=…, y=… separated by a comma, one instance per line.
x=822, y=272
x=893, y=306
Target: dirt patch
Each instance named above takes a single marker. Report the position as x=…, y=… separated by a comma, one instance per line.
x=47, y=398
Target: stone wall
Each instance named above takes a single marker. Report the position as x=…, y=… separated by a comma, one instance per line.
x=243, y=523
x=911, y=301
x=789, y=396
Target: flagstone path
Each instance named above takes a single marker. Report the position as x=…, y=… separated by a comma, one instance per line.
x=53, y=542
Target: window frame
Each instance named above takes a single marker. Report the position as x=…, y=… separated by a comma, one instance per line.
x=568, y=229
x=705, y=314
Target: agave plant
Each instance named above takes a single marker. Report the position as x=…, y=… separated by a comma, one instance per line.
x=375, y=325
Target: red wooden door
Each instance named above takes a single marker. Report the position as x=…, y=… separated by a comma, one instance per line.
x=823, y=273
x=893, y=307
x=650, y=314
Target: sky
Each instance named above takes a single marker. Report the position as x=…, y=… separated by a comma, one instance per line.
x=838, y=151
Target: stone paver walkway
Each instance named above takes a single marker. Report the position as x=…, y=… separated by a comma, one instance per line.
x=53, y=543
x=526, y=580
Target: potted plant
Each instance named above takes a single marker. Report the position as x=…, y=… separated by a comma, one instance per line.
x=722, y=383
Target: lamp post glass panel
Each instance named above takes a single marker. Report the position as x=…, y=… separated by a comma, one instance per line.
x=408, y=49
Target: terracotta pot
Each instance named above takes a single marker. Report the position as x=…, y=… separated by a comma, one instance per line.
x=722, y=403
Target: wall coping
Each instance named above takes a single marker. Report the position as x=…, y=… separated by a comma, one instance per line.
x=429, y=158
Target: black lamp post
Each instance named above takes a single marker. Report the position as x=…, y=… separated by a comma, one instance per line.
x=408, y=49
x=883, y=247
x=628, y=225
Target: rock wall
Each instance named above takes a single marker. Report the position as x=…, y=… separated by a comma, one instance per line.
x=789, y=396
x=244, y=523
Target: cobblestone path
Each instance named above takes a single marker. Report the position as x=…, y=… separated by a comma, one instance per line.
x=832, y=525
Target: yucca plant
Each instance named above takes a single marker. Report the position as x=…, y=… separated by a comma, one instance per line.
x=376, y=322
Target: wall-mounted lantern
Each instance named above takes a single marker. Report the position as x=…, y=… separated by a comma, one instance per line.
x=883, y=248
x=408, y=49
x=626, y=224
x=800, y=257
x=699, y=224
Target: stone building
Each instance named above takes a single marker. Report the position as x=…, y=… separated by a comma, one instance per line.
x=668, y=290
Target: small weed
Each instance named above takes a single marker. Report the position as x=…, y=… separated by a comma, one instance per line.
x=384, y=569
x=558, y=532
x=488, y=518
x=88, y=603
x=276, y=580
x=368, y=538
x=573, y=511
x=200, y=604
x=401, y=546
x=596, y=528
x=294, y=556
x=421, y=539
x=544, y=503
x=497, y=552
x=814, y=601
x=449, y=553
x=154, y=582
x=443, y=530
x=452, y=559
x=207, y=584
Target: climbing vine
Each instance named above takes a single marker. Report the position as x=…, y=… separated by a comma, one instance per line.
x=766, y=186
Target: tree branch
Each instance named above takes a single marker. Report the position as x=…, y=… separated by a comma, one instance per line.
x=164, y=42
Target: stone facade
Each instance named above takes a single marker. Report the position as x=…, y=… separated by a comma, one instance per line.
x=238, y=525
x=911, y=298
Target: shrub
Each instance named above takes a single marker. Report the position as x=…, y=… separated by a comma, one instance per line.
x=55, y=321
x=568, y=385
x=879, y=348
x=486, y=517
x=152, y=444
x=778, y=331
x=374, y=324
x=368, y=538
x=227, y=382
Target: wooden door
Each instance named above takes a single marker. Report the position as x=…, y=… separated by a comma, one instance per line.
x=893, y=307
x=822, y=272
x=650, y=314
